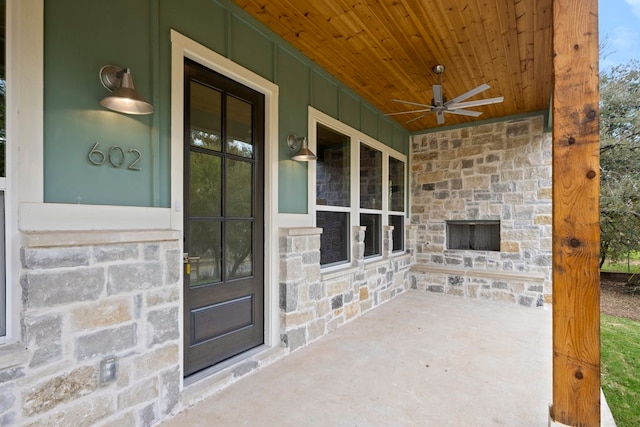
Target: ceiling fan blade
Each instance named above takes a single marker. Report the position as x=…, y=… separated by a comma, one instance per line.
x=413, y=103
x=440, y=116
x=469, y=94
x=437, y=94
x=477, y=103
x=464, y=112
x=409, y=111
x=417, y=118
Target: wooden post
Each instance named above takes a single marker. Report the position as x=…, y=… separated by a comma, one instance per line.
x=576, y=212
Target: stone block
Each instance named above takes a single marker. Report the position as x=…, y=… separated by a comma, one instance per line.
x=133, y=277
x=337, y=287
x=110, y=253
x=163, y=295
x=86, y=413
x=7, y=398
x=139, y=393
x=312, y=272
x=62, y=389
x=107, y=312
x=291, y=269
x=458, y=292
x=295, y=338
x=526, y=300
x=156, y=361
x=505, y=296
x=455, y=280
x=152, y=251
x=352, y=310
x=316, y=291
x=288, y=297
x=472, y=291
x=170, y=391
x=10, y=374
x=106, y=342
x=297, y=318
x=316, y=329
x=506, y=246
x=323, y=308
x=53, y=288
x=43, y=337
x=163, y=326
x=173, y=260
x=312, y=257
x=148, y=415
x=47, y=258
x=127, y=419
x=336, y=302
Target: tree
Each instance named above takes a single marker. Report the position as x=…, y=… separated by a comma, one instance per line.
x=620, y=161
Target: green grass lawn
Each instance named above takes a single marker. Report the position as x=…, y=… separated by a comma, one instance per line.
x=621, y=368
x=624, y=265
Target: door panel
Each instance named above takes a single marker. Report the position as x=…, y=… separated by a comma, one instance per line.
x=224, y=214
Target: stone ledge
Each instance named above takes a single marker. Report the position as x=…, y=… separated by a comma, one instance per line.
x=95, y=237
x=301, y=231
x=13, y=355
x=489, y=274
x=339, y=271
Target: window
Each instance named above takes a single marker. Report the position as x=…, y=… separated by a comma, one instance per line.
x=358, y=182
x=333, y=194
x=3, y=174
x=371, y=199
x=474, y=235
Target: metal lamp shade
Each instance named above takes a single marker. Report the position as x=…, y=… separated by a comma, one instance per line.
x=126, y=99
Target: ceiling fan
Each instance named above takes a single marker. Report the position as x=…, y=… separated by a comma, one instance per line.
x=440, y=105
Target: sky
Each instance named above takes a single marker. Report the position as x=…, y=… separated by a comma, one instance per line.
x=619, y=22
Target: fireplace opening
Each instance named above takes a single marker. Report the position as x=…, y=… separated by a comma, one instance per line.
x=475, y=235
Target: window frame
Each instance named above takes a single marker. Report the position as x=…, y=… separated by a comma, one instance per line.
x=356, y=139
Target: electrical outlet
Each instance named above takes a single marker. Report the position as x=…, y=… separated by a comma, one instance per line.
x=108, y=370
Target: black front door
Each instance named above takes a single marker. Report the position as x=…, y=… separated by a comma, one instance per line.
x=223, y=218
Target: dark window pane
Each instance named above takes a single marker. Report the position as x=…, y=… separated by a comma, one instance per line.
x=206, y=118
x=205, y=249
x=239, y=249
x=396, y=185
x=334, y=240
x=372, y=235
x=397, y=221
x=239, y=188
x=206, y=185
x=370, y=178
x=239, y=127
x=333, y=168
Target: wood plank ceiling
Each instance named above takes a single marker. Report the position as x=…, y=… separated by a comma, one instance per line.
x=386, y=49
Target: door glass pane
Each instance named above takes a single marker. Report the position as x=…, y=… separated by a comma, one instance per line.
x=396, y=185
x=334, y=240
x=206, y=117
x=206, y=185
x=370, y=178
x=205, y=250
x=239, y=127
x=239, y=189
x=333, y=168
x=372, y=235
x=239, y=249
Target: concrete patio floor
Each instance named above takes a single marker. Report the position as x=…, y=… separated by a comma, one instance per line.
x=419, y=360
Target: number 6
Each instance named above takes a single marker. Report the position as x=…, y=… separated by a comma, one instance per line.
x=94, y=151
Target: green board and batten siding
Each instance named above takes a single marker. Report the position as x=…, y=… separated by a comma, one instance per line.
x=80, y=38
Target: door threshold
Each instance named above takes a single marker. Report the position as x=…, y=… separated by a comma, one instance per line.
x=208, y=381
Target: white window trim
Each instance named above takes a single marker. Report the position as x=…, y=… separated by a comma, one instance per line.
x=182, y=47
x=356, y=138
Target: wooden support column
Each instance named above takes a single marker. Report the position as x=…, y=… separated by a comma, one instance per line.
x=576, y=229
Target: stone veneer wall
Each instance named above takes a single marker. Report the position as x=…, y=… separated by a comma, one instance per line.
x=84, y=301
x=492, y=171
x=314, y=303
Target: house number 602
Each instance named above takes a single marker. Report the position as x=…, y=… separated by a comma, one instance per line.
x=115, y=156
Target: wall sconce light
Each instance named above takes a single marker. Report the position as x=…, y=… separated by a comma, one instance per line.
x=301, y=149
x=124, y=98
